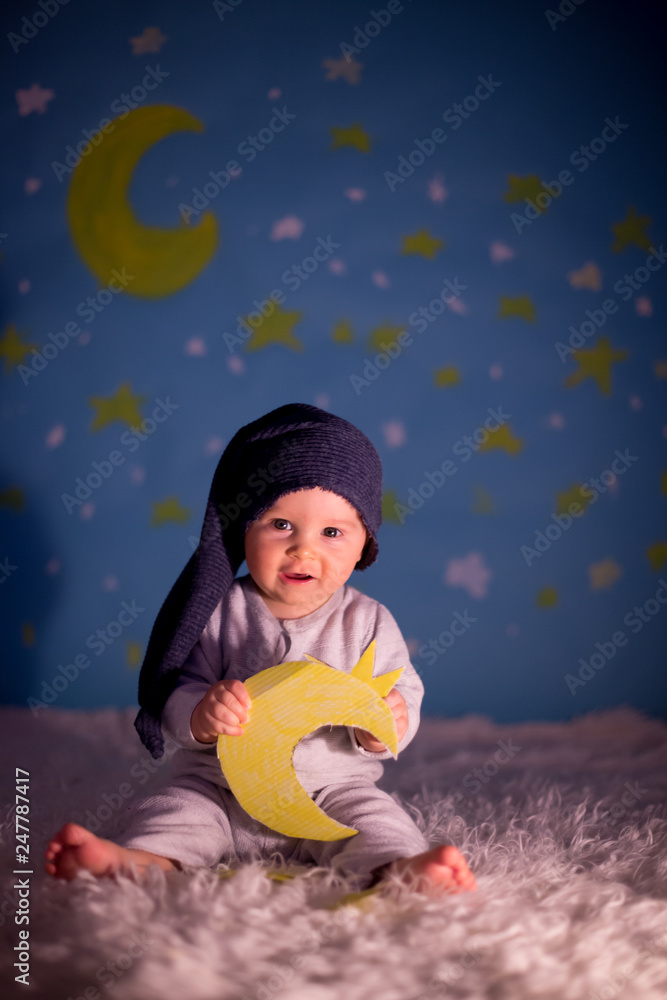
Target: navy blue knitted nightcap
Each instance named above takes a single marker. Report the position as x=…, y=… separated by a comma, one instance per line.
x=294, y=447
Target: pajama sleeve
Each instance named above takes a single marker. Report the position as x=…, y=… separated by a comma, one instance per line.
x=202, y=668
x=391, y=652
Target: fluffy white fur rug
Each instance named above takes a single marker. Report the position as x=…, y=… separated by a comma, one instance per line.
x=567, y=835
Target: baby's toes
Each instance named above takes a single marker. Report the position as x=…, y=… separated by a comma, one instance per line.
x=464, y=877
x=65, y=866
x=452, y=857
x=468, y=882
x=73, y=835
x=54, y=859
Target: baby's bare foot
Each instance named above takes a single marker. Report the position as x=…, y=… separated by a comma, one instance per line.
x=442, y=869
x=75, y=849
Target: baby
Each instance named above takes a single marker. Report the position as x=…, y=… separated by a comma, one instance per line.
x=313, y=520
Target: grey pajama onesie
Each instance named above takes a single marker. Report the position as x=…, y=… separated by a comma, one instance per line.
x=197, y=820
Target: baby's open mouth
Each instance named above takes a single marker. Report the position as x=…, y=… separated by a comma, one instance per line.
x=297, y=576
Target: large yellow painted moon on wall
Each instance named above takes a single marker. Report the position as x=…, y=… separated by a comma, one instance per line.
x=104, y=228
x=289, y=701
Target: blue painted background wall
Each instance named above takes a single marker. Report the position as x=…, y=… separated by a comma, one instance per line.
x=466, y=209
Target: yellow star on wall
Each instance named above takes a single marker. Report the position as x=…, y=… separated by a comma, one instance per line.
x=168, y=511
x=28, y=634
x=503, y=438
x=422, y=243
x=353, y=136
x=573, y=495
x=12, y=348
x=444, y=377
x=389, y=501
x=657, y=555
x=122, y=406
x=547, y=597
x=277, y=328
x=349, y=69
x=521, y=188
x=483, y=503
x=631, y=230
x=604, y=574
x=133, y=652
x=342, y=333
x=13, y=497
x=384, y=336
x=596, y=363
x=520, y=306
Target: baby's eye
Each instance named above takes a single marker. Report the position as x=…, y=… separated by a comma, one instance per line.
x=333, y=529
x=279, y=522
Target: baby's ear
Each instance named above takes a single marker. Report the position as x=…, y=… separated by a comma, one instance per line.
x=366, y=544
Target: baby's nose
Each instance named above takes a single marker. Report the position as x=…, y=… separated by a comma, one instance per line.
x=302, y=547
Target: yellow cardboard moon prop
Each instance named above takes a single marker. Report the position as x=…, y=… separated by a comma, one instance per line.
x=288, y=702
x=104, y=228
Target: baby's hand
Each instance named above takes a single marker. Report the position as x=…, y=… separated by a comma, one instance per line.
x=399, y=709
x=222, y=710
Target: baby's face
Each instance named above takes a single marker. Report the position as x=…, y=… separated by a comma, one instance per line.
x=303, y=549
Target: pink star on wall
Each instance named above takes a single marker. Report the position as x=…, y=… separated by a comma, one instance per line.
x=35, y=99
x=56, y=436
x=196, y=347
x=214, y=446
x=499, y=252
x=348, y=69
x=437, y=191
x=471, y=573
x=288, y=228
x=151, y=40
x=394, y=433
x=457, y=306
